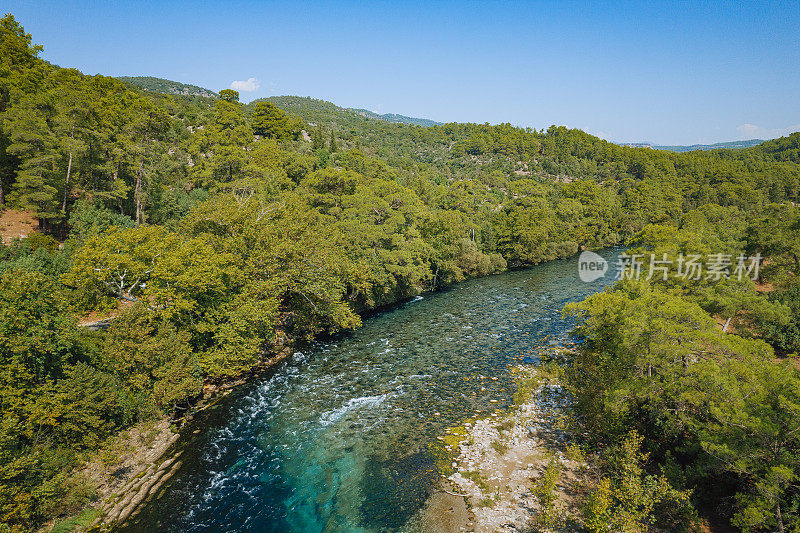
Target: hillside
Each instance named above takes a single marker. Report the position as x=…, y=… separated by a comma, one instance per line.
x=731, y=145
x=486, y=152
x=325, y=112
x=232, y=237
x=399, y=119
x=780, y=149
x=159, y=85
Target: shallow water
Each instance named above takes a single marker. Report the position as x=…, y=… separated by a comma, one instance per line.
x=341, y=438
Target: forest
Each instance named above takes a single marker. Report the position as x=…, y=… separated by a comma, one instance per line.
x=214, y=231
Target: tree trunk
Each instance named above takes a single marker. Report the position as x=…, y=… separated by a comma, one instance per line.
x=138, y=193
x=727, y=323
x=779, y=517
x=69, y=169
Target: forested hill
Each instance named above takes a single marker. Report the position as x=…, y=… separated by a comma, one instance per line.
x=492, y=153
x=159, y=85
x=732, y=145
x=394, y=117
x=782, y=149
x=215, y=232
x=322, y=111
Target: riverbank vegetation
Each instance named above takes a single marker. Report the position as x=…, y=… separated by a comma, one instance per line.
x=700, y=374
x=214, y=231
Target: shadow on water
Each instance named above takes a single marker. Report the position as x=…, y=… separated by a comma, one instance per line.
x=395, y=489
x=340, y=438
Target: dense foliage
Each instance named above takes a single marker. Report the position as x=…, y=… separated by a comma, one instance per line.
x=717, y=410
x=215, y=231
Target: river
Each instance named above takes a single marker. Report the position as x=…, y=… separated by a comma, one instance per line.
x=342, y=437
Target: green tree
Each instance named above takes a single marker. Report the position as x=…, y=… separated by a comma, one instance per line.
x=37, y=333
x=37, y=146
x=153, y=360
x=120, y=262
x=748, y=420
x=629, y=500
x=269, y=121
x=39, y=343
x=222, y=146
x=229, y=95
x=332, y=145
x=79, y=411
x=90, y=220
x=17, y=55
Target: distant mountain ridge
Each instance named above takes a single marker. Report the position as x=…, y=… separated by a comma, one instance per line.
x=731, y=145
x=312, y=106
x=394, y=117
x=321, y=111
x=160, y=85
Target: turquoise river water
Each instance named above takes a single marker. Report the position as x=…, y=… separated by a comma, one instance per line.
x=341, y=437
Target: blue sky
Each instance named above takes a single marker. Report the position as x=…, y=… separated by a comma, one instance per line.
x=666, y=72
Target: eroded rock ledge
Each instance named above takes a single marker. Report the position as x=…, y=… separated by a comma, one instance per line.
x=149, y=453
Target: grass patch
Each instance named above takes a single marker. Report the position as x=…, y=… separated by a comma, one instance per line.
x=456, y=436
x=506, y=425
x=148, y=433
x=478, y=479
x=526, y=386
x=115, y=448
x=445, y=449
x=549, y=516
x=528, y=380
x=500, y=447
x=574, y=453
x=486, y=502
x=82, y=520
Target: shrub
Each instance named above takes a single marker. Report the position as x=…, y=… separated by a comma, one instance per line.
x=38, y=240
x=89, y=220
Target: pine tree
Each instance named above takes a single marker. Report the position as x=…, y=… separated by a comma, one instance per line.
x=17, y=55
x=333, y=146
x=269, y=121
x=37, y=147
x=318, y=138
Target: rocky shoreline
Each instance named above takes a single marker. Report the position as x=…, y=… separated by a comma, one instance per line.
x=127, y=502
x=498, y=462
x=154, y=449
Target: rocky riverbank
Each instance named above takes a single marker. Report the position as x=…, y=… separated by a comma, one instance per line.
x=499, y=471
x=140, y=461
x=151, y=475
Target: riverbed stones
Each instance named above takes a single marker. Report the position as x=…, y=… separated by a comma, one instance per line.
x=498, y=460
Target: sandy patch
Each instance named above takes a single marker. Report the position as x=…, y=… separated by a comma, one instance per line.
x=16, y=224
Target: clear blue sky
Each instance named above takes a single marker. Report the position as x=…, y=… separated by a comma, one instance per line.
x=627, y=71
